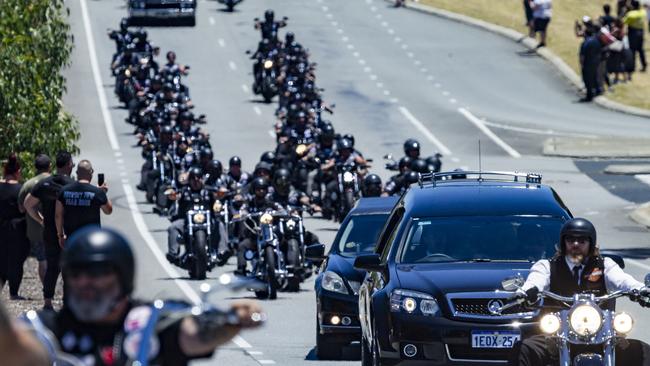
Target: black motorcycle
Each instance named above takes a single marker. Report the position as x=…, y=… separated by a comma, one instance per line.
x=230, y=4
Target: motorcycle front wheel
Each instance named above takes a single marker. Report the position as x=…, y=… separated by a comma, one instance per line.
x=271, y=291
x=293, y=259
x=199, y=262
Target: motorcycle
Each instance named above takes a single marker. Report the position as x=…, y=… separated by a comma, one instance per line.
x=230, y=4
x=582, y=320
x=292, y=237
x=349, y=189
x=267, y=82
x=161, y=182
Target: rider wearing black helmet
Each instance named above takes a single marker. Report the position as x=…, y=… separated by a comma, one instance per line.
x=412, y=148
x=419, y=166
x=372, y=186
x=236, y=177
x=99, y=321
x=578, y=267
x=269, y=27
x=396, y=182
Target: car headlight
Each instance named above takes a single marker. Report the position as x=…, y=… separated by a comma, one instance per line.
x=413, y=302
x=585, y=320
x=268, y=64
x=348, y=177
x=623, y=323
x=331, y=281
x=549, y=324
x=266, y=219
x=198, y=218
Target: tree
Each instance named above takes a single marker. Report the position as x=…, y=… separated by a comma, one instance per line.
x=35, y=45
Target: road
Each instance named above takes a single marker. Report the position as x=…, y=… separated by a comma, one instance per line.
x=393, y=74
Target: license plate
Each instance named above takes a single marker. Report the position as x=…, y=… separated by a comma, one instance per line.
x=494, y=339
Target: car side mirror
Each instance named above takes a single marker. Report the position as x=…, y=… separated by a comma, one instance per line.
x=616, y=258
x=513, y=283
x=315, y=252
x=368, y=262
x=647, y=280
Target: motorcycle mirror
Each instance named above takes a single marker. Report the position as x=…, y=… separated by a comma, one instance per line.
x=248, y=52
x=315, y=252
x=388, y=156
x=647, y=280
x=285, y=18
x=513, y=283
x=370, y=160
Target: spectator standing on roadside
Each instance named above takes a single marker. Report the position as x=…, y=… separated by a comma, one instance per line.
x=43, y=165
x=622, y=6
x=15, y=247
x=528, y=11
x=590, y=55
x=44, y=195
x=79, y=203
x=606, y=20
x=542, y=12
x=615, y=64
x=635, y=20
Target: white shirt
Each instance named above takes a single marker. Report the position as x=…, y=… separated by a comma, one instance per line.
x=542, y=8
x=615, y=278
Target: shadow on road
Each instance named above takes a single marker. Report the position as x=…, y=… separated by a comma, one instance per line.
x=350, y=352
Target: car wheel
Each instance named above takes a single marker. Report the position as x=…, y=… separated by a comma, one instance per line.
x=325, y=348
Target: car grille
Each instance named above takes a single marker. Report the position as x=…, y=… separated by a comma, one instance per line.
x=467, y=353
x=476, y=305
x=479, y=307
x=163, y=6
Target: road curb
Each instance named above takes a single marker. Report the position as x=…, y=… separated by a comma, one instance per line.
x=530, y=43
x=642, y=214
x=627, y=169
x=583, y=148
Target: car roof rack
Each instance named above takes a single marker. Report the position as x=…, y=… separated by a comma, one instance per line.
x=432, y=179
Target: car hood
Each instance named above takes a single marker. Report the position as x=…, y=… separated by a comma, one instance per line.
x=344, y=266
x=439, y=278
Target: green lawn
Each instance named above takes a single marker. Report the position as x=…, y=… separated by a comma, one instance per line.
x=561, y=39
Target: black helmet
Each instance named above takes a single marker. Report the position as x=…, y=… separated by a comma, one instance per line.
x=269, y=15
x=282, y=181
x=195, y=173
x=327, y=131
x=434, y=162
x=350, y=137
x=235, y=161
x=345, y=144
x=167, y=130
x=261, y=166
x=404, y=162
x=186, y=116
x=268, y=157
x=260, y=183
x=141, y=34
x=581, y=227
x=289, y=37
x=124, y=24
x=411, y=177
x=206, y=153
x=372, y=186
x=215, y=168
x=411, y=145
x=419, y=165
x=167, y=87
x=92, y=246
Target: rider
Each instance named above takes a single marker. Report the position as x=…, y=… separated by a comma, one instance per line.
x=396, y=182
x=269, y=27
x=101, y=323
x=372, y=186
x=236, y=177
x=577, y=267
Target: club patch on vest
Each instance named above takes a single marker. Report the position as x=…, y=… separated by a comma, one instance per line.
x=595, y=275
x=137, y=319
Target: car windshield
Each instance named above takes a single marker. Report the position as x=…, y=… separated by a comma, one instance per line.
x=360, y=234
x=481, y=239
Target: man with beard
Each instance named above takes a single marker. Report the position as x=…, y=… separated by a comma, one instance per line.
x=578, y=267
x=101, y=324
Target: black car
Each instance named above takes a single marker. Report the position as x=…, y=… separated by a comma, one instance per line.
x=439, y=263
x=162, y=10
x=337, y=285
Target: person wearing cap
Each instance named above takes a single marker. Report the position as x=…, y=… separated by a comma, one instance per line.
x=101, y=323
x=577, y=267
x=79, y=203
x=42, y=164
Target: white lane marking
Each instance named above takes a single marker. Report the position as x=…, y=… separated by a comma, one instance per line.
x=272, y=134
x=445, y=93
x=362, y=62
x=409, y=54
x=397, y=39
x=391, y=31
x=244, y=87
x=350, y=47
x=120, y=161
x=537, y=131
x=378, y=16
x=136, y=215
x=232, y=65
x=335, y=24
x=266, y=362
x=123, y=174
x=380, y=85
x=417, y=62
x=373, y=77
x=384, y=24
x=386, y=92
x=255, y=353
x=430, y=77
x=437, y=85
x=221, y=42
x=425, y=131
x=325, y=8
x=345, y=39
x=356, y=54
x=367, y=69
x=452, y=101
x=117, y=154
x=405, y=46
x=424, y=70
x=339, y=31
x=455, y=159
x=108, y=122
x=394, y=100
x=373, y=9
x=212, y=21
x=329, y=15
x=257, y=110
x=481, y=126
x=637, y=263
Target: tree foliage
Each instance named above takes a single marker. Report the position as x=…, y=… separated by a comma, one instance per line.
x=35, y=45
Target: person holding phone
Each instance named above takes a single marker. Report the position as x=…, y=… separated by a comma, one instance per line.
x=79, y=203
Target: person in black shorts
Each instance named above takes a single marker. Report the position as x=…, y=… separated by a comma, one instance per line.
x=45, y=194
x=79, y=203
x=14, y=246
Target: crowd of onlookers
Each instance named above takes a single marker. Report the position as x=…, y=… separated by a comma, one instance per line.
x=38, y=215
x=610, y=43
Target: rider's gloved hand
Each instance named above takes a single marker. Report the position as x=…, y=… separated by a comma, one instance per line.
x=644, y=297
x=530, y=296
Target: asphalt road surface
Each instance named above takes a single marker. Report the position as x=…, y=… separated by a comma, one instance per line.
x=393, y=74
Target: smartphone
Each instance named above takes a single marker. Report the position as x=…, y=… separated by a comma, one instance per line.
x=100, y=179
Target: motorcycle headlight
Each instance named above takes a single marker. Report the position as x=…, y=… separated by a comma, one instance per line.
x=623, y=323
x=217, y=206
x=331, y=281
x=413, y=302
x=266, y=219
x=291, y=224
x=585, y=320
x=301, y=149
x=268, y=64
x=348, y=177
x=549, y=324
x=198, y=218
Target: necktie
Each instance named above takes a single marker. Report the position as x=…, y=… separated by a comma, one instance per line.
x=576, y=274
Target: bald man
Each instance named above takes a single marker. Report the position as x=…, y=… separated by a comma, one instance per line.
x=79, y=203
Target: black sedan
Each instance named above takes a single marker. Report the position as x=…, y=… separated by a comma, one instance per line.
x=337, y=285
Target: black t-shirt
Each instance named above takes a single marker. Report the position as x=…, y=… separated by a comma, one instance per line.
x=81, y=203
x=47, y=191
x=9, y=202
x=115, y=344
